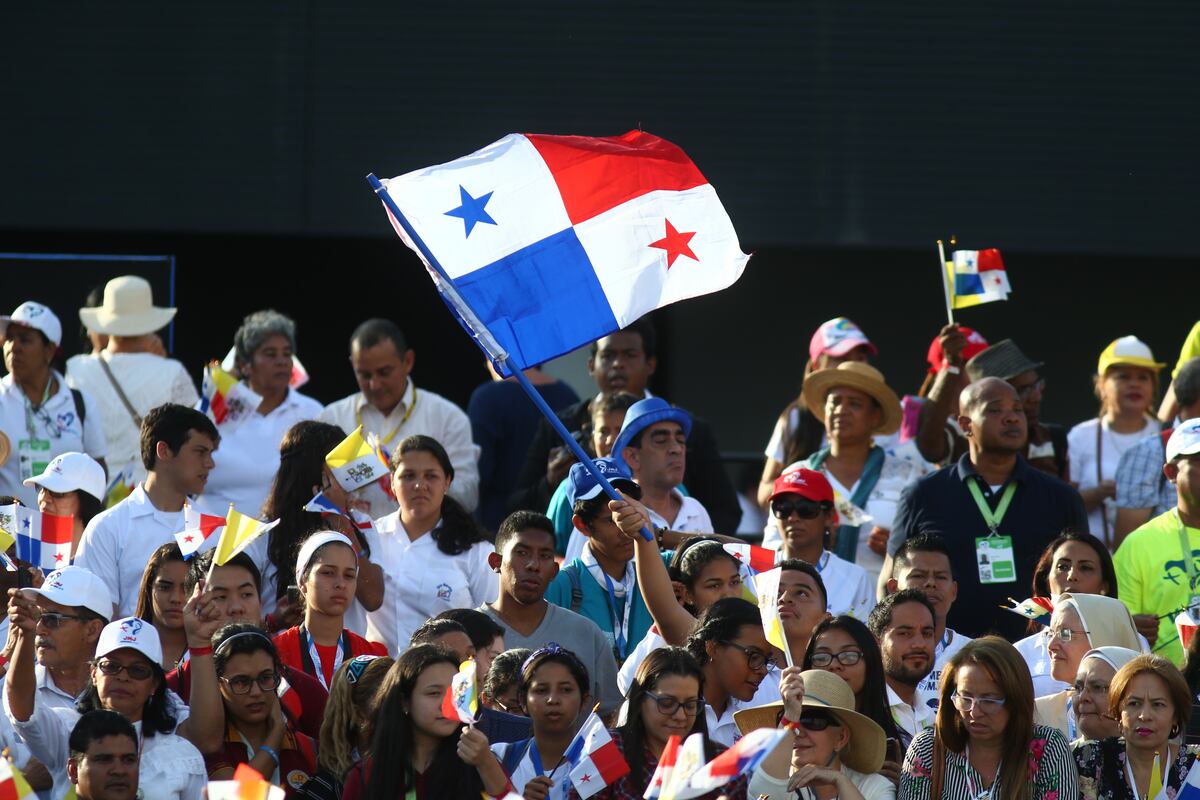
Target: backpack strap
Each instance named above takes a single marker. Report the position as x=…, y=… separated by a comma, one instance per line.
x=80, y=407
x=576, y=589
x=513, y=755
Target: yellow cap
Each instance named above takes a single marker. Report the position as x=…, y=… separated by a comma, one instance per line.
x=1128, y=350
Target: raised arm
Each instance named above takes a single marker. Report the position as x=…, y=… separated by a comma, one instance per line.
x=673, y=621
x=20, y=684
x=205, y=725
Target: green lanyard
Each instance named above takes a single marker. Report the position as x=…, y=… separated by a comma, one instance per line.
x=1185, y=546
x=992, y=518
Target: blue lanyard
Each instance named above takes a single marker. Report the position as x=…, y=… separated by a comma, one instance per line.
x=619, y=626
x=823, y=561
x=535, y=758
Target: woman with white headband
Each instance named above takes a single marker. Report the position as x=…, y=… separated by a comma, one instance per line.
x=327, y=574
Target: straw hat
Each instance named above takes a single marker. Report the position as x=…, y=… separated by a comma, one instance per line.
x=128, y=309
x=856, y=375
x=828, y=692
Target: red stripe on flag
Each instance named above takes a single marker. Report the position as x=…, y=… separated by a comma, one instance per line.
x=449, y=710
x=597, y=174
x=989, y=259
x=56, y=529
x=609, y=762
x=8, y=790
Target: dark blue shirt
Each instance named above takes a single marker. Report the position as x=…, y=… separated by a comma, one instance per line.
x=940, y=504
x=503, y=423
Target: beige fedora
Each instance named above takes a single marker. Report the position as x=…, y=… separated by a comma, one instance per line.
x=856, y=375
x=828, y=692
x=128, y=309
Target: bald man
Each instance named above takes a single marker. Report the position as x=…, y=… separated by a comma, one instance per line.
x=995, y=513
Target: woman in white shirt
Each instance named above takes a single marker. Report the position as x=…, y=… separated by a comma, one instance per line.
x=834, y=752
x=1126, y=384
x=433, y=553
x=249, y=453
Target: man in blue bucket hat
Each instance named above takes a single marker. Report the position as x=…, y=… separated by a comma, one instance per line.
x=652, y=446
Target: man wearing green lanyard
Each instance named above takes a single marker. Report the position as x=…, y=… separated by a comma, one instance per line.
x=1156, y=564
x=40, y=416
x=995, y=512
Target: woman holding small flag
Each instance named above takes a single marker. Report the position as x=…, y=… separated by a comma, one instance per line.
x=327, y=573
x=417, y=751
x=835, y=752
x=1151, y=700
x=72, y=485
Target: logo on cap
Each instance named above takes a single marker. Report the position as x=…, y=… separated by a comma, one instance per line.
x=130, y=629
x=56, y=467
x=795, y=479
x=34, y=310
x=54, y=580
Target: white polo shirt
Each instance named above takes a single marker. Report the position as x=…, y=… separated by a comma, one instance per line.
x=431, y=415
x=37, y=436
x=912, y=719
x=849, y=588
x=420, y=581
x=248, y=458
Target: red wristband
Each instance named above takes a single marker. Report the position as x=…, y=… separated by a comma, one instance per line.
x=3, y=661
x=196, y=652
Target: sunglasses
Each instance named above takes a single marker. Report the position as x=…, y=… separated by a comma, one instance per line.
x=812, y=720
x=53, y=620
x=806, y=509
x=138, y=672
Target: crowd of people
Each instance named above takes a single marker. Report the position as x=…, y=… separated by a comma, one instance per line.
x=975, y=603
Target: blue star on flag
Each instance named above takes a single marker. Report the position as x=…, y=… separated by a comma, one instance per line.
x=472, y=210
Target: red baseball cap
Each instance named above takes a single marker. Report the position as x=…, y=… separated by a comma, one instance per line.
x=804, y=482
x=975, y=344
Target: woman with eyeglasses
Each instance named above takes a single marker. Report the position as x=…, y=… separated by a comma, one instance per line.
x=127, y=677
x=346, y=731
x=258, y=731
x=1081, y=622
x=1096, y=671
x=666, y=699
x=553, y=690
x=161, y=601
x=833, y=752
x=984, y=744
x=845, y=646
x=1151, y=702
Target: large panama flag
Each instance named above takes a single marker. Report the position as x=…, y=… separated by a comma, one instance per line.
x=554, y=241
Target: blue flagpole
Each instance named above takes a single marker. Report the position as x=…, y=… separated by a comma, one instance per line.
x=489, y=345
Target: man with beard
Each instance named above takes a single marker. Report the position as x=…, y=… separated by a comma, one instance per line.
x=904, y=625
x=995, y=512
x=104, y=757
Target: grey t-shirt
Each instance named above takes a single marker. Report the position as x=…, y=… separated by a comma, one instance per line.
x=583, y=638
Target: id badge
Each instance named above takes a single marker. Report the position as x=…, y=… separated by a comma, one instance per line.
x=33, y=456
x=994, y=558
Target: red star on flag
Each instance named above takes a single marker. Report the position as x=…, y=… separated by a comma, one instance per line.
x=189, y=538
x=676, y=244
x=587, y=777
x=58, y=557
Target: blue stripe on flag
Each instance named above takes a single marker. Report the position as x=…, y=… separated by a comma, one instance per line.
x=29, y=549
x=541, y=301
x=967, y=284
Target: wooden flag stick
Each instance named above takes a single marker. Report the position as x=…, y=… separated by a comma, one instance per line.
x=945, y=281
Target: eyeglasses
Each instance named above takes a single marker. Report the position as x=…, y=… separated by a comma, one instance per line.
x=668, y=705
x=807, y=509
x=1037, y=386
x=241, y=684
x=755, y=659
x=1064, y=635
x=847, y=658
x=137, y=672
x=988, y=705
x=52, y=619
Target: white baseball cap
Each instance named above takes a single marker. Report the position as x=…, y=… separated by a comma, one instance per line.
x=1185, y=440
x=37, y=316
x=79, y=587
x=69, y=472
x=312, y=544
x=133, y=633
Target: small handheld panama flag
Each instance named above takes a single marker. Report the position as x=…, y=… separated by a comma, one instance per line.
x=759, y=559
x=13, y=785
x=741, y=759
x=688, y=760
x=461, y=700
x=596, y=758
x=354, y=463
x=767, y=584
x=197, y=528
x=238, y=533
x=1190, y=790
x=1037, y=609
x=978, y=276
x=226, y=400
x=664, y=769
x=247, y=784
x=43, y=540
x=541, y=244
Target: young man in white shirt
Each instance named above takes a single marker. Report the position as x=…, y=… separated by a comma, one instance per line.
x=904, y=624
x=923, y=562
x=653, y=445
x=390, y=406
x=177, y=445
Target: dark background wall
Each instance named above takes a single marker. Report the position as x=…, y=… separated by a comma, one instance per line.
x=843, y=138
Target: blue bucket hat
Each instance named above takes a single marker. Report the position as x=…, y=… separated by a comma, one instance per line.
x=582, y=485
x=642, y=415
